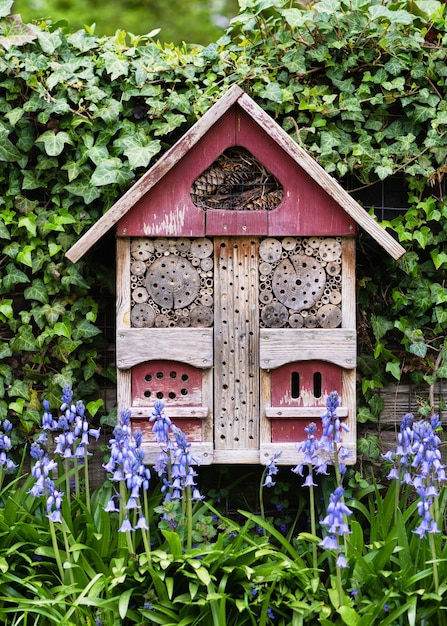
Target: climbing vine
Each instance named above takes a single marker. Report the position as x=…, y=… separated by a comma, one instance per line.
x=360, y=84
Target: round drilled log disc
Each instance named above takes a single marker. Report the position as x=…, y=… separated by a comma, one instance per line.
x=172, y=282
x=162, y=321
x=314, y=242
x=141, y=249
x=138, y=268
x=161, y=245
x=182, y=244
x=270, y=250
x=335, y=297
x=289, y=243
x=298, y=282
x=184, y=321
x=296, y=320
x=206, y=299
x=265, y=296
x=201, y=316
x=329, y=316
x=207, y=264
x=275, y=315
x=142, y=316
x=333, y=268
x=201, y=248
x=265, y=268
x=140, y=295
x=311, y=321
x=330, y=250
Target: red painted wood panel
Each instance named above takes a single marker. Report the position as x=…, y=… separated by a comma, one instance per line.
x=295, y=384
x=191, y=427
x=167, y=209
x=174, y=383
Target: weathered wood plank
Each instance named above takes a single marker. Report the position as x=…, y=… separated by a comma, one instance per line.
x=348, y=283
x=174, y=412
x=311, y=412
x=290, y=455
x=186, y=345
x=320, y=176
x=280, y=346
x=154, y=174
x=202, y=451
x=236, y=362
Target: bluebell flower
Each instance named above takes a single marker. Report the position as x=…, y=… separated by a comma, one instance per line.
x=125, y=527
x=6, y=445
x=162, y=423
x=272, y=470
x=331, y=424
x=111, y=506
x=126, y=465
x=141, y=524
x=270, y=613
x=335, y=520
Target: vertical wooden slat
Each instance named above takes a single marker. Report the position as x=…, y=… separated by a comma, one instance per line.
x=124, y=395
x=236, y=382
x=348, y=282
x=265, y=423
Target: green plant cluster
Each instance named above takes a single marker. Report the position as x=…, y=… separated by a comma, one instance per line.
x=84, y=567
x=359, y=84
x=199, y=22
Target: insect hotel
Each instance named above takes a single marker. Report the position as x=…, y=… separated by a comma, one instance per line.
x=236, y=288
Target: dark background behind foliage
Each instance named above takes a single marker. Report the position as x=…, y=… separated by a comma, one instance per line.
x=192, y=21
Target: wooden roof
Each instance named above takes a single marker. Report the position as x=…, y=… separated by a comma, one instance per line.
x=235, y=95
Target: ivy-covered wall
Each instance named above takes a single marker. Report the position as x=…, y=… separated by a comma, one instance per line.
x=360, y=84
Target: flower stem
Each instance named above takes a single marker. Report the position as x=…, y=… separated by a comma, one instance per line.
x=313, y=525
x=188, y=518
x=147, y=533
x=57, y=555
x=435, y=564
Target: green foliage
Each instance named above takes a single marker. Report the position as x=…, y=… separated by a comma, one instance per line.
x=360, y=85
x=198, y=22
x=240, y=572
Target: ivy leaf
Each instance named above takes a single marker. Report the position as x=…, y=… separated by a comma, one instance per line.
x=4, y=232
x=15, y=32
x=85, y=330
x=380, y=326
x=13, y=277
x=37, y=291
x=438, y=258
x=394, y=368
x=419, y=348
x=109, y=172
x=272, y=92
x=6, y=310
x=5, y=7
x=63, y=329
x=8, y=151
x=5, y=350
x=54, y=143
x=441, y=372
x=296, y=18
x=83, y=189
x=138, y=150
x=24, y=340
x=53, y=312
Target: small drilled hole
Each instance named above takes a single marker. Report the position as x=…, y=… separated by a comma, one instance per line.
x=159, y=395
x=148, y=378
x=184, y=392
